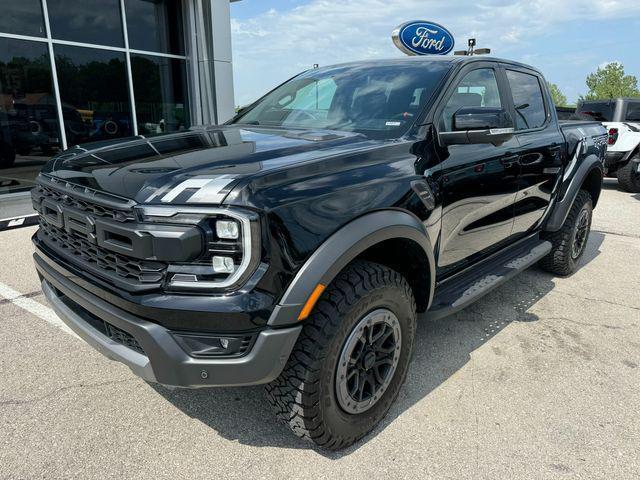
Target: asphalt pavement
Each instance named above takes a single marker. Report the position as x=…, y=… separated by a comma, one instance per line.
x=539, y=379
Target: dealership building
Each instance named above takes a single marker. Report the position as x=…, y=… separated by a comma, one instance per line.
x=80, y=71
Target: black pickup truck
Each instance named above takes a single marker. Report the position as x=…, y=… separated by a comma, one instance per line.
x=295, y=245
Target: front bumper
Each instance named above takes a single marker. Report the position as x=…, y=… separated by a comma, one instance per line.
x=160, y=358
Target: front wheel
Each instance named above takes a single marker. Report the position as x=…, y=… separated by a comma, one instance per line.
x=569, y=243
x=351, y=358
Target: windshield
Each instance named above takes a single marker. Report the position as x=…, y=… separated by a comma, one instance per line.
x=379, y=101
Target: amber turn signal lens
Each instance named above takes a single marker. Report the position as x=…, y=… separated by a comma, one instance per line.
x=311, y=301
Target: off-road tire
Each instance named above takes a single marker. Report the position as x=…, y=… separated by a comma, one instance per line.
x=560, y=259
x=304, y=395
x=629, y=177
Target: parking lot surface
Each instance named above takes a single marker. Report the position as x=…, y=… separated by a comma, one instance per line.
x=540, y=379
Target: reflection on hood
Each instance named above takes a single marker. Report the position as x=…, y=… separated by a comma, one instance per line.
x=196, y=166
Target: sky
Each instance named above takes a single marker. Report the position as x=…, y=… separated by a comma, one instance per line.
x=566, y=39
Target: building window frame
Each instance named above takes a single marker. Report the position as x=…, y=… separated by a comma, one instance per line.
x=191, y=66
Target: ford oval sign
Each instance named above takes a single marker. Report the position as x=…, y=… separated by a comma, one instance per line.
x=423, y=38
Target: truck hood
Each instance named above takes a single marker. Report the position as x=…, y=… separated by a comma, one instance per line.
x=198, y=166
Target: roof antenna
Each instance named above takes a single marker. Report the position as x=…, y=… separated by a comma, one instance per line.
x=472, y=50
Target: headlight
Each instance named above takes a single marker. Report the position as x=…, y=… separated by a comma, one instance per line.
x=227, y=229
x=232, y=246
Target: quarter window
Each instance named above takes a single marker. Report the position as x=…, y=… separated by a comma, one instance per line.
x=478, y=88
x=527, y=99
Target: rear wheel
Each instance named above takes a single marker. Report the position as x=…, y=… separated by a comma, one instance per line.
x=569, y=243
x=629, y=176
x=351, y=358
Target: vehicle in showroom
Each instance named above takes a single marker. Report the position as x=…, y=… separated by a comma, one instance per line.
x=621, y=118
x=295, y=245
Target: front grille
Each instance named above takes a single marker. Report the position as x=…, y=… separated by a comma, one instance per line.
x=98, y=232
x=69, y=200
x=84, y=252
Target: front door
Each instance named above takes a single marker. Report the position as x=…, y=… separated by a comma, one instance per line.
x=478, y=182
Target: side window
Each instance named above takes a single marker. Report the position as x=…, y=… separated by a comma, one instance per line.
x=527, y=99
x=633, y=112
x=478, y=88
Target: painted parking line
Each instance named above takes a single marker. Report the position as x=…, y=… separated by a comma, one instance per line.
x=33, y=307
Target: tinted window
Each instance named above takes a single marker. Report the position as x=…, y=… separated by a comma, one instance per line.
x=528, y=100
x=478, y=88
x=160, y=90
x=23, y=17
x=633, y=112
x=600, y=111
x=155, y=26
x=29, y=132
x=93, y=89
x=86, y=21
x=379, y=101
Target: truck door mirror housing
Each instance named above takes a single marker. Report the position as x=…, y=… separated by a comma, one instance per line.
x=476, y=125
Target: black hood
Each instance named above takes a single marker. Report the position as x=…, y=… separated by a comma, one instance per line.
x=195, y=166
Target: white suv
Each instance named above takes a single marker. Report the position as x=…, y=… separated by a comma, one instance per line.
x=621, y=117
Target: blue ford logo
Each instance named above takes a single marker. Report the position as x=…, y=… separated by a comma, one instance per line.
x=423, y=38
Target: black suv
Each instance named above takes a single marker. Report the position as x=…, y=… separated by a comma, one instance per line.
x=295, y=245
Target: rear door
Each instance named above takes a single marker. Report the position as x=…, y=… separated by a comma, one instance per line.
x=539, y=147
x=478, y=182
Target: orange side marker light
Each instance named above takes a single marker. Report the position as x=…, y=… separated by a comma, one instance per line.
x=311, y=301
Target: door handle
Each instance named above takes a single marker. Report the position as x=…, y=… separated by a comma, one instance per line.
x=532, y=159
x=510, y=159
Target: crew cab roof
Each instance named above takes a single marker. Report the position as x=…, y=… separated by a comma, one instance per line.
x=457, y=60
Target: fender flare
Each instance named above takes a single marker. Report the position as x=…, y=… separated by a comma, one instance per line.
x=562, y=207
x=341, y=248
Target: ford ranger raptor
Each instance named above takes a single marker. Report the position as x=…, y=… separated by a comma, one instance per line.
x=295, y=245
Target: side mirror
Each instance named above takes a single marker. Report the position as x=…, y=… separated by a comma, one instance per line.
x=477, y=125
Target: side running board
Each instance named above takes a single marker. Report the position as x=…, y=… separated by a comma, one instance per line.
x=462, y=290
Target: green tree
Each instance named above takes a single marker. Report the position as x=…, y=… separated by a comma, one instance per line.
x=559, y=98
x=610, y=81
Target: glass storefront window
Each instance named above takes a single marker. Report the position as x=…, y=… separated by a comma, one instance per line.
x=155, y=26
x=22, y=17
x=94, y=94
x=160, y=89
x=92, y=100
x=86, y=21
x=29, y=130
